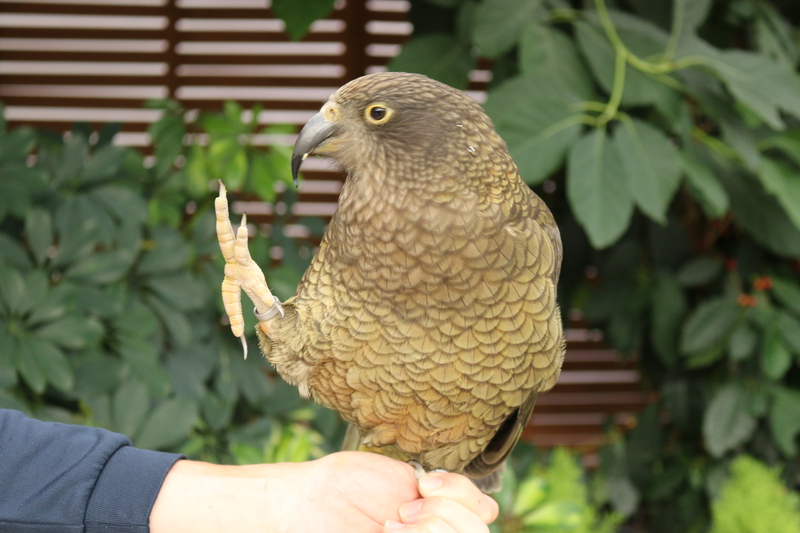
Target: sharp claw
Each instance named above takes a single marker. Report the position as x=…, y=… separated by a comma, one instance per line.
x=244, y=346
x=243, y=224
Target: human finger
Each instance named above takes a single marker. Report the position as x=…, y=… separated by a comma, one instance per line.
x=461, y=490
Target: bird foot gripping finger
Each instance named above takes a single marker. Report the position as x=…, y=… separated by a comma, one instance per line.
x=241, y=272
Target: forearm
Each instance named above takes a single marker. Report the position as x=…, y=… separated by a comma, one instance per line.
x=201, y=497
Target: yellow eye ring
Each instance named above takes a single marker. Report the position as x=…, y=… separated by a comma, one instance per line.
x=378, y=113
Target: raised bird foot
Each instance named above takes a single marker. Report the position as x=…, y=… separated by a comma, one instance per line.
x=241, y=273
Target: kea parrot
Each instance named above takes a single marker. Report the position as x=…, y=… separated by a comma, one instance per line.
x=428, y=317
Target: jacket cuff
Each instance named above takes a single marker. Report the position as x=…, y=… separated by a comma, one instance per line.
x=126, y=490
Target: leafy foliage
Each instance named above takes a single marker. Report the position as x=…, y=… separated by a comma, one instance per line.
x=551, y=498
x=666, y=134
x=109, y=284
x=754, y=500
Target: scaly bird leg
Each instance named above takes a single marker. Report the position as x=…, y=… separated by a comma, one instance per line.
x=241, y=272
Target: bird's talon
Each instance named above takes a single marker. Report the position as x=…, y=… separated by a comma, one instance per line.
x=418, y=470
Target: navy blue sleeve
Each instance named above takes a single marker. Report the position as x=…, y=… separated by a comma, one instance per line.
x=62, y=478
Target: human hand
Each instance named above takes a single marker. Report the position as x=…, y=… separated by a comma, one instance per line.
x=357, y=491
x=342, y=492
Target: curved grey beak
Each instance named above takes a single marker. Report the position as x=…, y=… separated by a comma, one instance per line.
x=316, y=131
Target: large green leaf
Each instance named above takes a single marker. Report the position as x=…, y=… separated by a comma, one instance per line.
x=72, y=332
x=775, y=356
x=692, y=13
x=168, y=424
x=783, y=181
x=761, y=215
x=537, y=124
x=727, y=422
x=597, y=188
x=498, y=24
x=55, y=364
x=784, y=422
x=640, y=88
x=789, y=328
x=17, y=143
x=742, y=342
x=549, y=54
x=130, y=404
x=39, y=230
x=104, y=163
x=298, y=16
x=709, y=323
x=651, y=165
x=705, y=187
x=787, y=292
x=744, y=73
x=440, y=56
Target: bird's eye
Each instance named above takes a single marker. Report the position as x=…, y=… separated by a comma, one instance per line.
x=378, y=113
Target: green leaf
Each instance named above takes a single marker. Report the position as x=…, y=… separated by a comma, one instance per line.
x=789, y=328
x=530, y=494
x=640, y=89
x=775, y=356
x=762, y=216
x=692, y=13
x=262, y=176
x=783, y=181
x=72, y=332
x=175, y=322
x=727, y=422
x=784, y=423
x=39, y=230
x=17, y=143
x=536, y=122
x=216, y=411
x=12, y=253
x=54, y=363
x=168, y=252
x=104, y=164
x=130, y=405
x=744, y=74
x=98, y=375
x=559, y=515
x=597, y=189
x=180, y=291
x=298, y=16
x=498, y=23
x=705, y=187
x=101, y=268
x=548, y=53
x=198, y=172
x=787, y=292
x=31, y=366
x=12, y=291
x=651, y=164
x=440, y=56
x=700, y=270
x=742, y=343
x=123, y=203
x=668, y=309
x=168, y=424
x=710, y=323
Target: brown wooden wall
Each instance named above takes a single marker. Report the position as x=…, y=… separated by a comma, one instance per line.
x=97, y=61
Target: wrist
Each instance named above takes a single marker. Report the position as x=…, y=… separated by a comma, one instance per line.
x=202, y=497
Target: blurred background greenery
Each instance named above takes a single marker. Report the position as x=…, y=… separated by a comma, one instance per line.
x=664, y=135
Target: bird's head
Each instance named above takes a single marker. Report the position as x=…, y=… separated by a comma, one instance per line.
x=408, y=123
